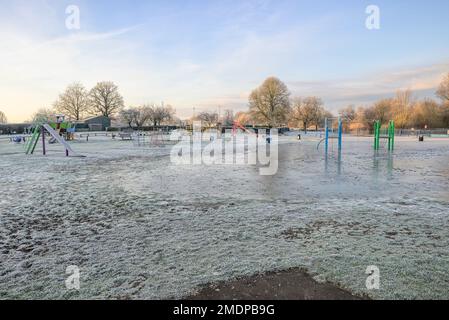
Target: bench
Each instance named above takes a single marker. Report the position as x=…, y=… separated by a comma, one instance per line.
x=125, y=136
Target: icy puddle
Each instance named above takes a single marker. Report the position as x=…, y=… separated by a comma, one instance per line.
x=140, y=227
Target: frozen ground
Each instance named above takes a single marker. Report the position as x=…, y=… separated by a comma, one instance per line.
x=140, y=227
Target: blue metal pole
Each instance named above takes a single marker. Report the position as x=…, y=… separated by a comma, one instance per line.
x=340, y=132
x=326, y=145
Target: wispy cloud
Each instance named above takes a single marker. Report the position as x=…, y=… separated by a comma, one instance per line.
x=365, y=89
x=25, y=45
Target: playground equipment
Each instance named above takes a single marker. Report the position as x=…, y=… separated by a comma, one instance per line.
x=386, y=134
x=18, y=139
x=330, y=134
x=151, y=139
x=40, y=131
x=56, y=131
x=63, y=128
x=266, y=133
x=238, y=126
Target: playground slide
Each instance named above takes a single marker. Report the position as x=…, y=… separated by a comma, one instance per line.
x=58, y=138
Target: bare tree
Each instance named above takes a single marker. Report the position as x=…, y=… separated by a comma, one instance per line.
x=427, y=113
x=364, y=118
x=105, y=99
x=298, y=114
x=74, y=102
x=228, y=118
x=43, y=115
x=127, y=116
x=270, y=102
x=322, y=115
x=383, y=109
x=443, y=89
x=348, y=114
x=308, y=111
x=209, y=119
x=3, y=118
x=160, y=114
x=142, y=115
x=402, y=107
x=244, y=118
x=175, y=121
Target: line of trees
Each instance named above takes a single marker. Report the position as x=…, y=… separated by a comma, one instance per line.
x=141, y=116
x=308, y=111
x=404, y=109
x=76, y=102
x=213, y=118
x=271, y=105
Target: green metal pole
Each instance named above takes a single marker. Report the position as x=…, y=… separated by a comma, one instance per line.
x=392, y=134
x=376, y=134
x=379, y=130
x=389, y=136
x=31, y=144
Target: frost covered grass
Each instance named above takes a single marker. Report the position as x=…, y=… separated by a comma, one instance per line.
x=140, y=227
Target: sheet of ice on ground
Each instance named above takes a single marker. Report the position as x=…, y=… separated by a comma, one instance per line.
x=141, y=227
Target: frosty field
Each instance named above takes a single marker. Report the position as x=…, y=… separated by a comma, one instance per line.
x=140, y=227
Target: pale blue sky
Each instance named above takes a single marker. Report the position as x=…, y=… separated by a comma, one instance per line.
x=206, y=54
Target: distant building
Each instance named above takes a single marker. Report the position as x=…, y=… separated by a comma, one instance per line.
x=97, y=123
